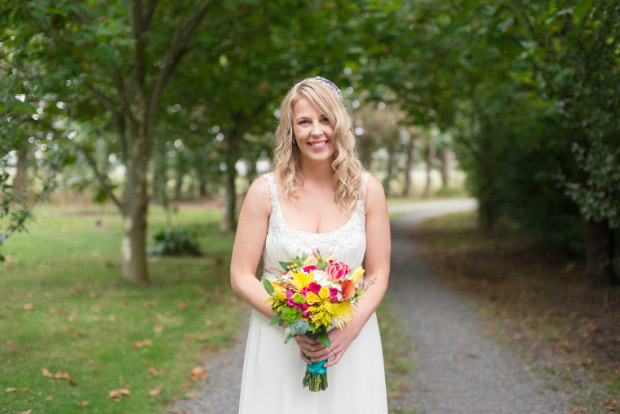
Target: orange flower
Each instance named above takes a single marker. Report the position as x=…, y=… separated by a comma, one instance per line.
x=348, y=290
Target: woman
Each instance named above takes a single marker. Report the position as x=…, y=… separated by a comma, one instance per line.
x=318, y=197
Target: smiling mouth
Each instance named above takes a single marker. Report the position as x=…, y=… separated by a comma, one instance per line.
x=318, y=144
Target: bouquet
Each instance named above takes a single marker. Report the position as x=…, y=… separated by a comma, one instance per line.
x=313, y=294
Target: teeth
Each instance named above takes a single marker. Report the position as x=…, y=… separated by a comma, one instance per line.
x=317, y=144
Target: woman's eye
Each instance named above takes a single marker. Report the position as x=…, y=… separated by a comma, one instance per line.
x=324, y=119
x=303, y=121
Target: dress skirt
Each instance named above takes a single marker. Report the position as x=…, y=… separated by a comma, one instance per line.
x=273, y=374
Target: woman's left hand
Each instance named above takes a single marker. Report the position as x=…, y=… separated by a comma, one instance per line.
x=340, y=341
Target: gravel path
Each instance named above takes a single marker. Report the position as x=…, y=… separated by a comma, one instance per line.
x=458, y=370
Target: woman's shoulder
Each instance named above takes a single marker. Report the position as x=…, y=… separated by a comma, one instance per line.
x=258, y=195
x=375, y=196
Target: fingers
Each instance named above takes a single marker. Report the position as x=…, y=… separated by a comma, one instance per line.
x=303, y=357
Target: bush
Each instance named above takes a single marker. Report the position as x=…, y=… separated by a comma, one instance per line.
x=174, y=242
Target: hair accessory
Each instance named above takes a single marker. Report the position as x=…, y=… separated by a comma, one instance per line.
x=325, y=82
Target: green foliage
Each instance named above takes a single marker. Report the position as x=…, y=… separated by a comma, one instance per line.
x=174, y=242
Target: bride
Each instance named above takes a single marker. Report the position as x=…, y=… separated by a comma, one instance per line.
x=318, y=197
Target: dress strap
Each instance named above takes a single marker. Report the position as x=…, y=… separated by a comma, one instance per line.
x=273, y=189
x=363, y=190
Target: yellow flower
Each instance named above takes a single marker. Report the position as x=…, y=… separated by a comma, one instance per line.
x=280, y=292
x=302, y=280
x=357, y=275
x=309, y=260
x=324, y=292
x=311, y=298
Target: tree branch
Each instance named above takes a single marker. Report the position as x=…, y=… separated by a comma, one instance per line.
x=147, y=17
x=103, y=181
x=119, y=120
x=175, y=52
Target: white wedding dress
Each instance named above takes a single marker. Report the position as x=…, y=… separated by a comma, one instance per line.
x=273, y=371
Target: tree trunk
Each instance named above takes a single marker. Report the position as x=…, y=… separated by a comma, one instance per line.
x=134, y=267
x=410, y=152
x=202, y=186
x=430, y=157
x=390, y=169
x=599, y=242
x=446, y=166
x=229, y=222
x=19, y=183
x=178, y=185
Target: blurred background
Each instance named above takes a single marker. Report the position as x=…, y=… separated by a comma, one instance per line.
x=130, y=131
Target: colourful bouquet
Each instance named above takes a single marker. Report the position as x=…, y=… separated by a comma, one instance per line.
x=313, y=294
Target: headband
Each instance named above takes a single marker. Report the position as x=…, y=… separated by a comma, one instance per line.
x=325, y=82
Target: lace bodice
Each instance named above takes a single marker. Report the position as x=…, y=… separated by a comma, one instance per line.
x=348, y=243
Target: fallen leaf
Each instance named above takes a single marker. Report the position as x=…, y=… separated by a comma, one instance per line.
x=49, y=398
x=83, y=403
x=62, y=375
x=192, y=394
x=182, y=305
x=198, y=373
x=25, y=389
x=155, y=390
x=28, y=306
x=146, y=342
x=46, y=373
x=26, y=412
x=112, y=318
x=11, y=389
x=153, y=371
x=227, y=362
x=118, y=394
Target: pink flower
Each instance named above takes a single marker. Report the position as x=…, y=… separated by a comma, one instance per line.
x=338, y=271
x=306, y=314
x=333, y=294
x=314, y=288
x=303, y=291
x=309, y=268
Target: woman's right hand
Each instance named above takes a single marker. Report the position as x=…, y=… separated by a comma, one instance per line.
x=308, y=347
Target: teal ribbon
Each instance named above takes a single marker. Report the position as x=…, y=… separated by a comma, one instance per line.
x=317, y=368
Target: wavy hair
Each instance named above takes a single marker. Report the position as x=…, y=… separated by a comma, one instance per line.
x=287, y=157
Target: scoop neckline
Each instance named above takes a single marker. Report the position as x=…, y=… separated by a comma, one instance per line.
x=277, y=198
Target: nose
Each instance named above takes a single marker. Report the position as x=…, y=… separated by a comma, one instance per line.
x=316, y=129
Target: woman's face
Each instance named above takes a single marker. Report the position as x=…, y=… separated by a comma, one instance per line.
x=313, y=132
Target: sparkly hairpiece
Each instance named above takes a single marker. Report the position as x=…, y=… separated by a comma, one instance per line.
x=325, y=82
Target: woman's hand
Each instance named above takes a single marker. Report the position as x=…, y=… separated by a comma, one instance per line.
x=309, y=348
x=340, y=341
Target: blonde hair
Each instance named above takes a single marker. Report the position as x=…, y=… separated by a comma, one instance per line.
x=287, y=157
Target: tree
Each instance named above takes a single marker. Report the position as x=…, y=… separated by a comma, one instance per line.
x=112, y=62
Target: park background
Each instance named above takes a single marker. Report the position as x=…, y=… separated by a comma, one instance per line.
x=130, y=131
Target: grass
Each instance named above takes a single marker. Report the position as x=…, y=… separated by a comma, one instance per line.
x=396, y=347
x=537, y=304
x=65, y=309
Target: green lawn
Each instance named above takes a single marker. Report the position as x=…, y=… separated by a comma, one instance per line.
x=65, y=309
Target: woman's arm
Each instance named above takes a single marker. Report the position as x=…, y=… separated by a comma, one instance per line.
x=377, y=264
x=248, y=247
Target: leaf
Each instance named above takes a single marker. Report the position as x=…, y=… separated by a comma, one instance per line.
x=155, y=391
x=198, y=373
x=118, y=394
x=284, y=265
x=275, y=319
x=324, y=339
x=267, y=286
x=28, y=306
x=141, y=344
x=48, y=374
x=83, y=403
x=11, y=389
